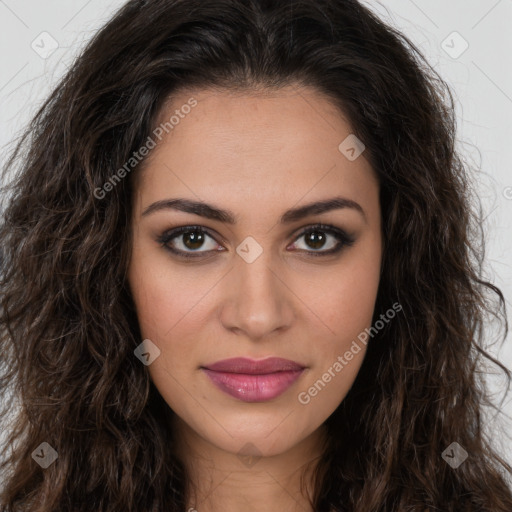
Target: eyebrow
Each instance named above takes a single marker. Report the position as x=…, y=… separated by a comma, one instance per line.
x=226, y=216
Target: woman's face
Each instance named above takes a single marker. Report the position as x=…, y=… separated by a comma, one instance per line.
x=255, y=285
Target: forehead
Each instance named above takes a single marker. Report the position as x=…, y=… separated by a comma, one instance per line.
x=276, y=145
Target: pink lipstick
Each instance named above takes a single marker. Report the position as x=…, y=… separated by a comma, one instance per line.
x=251, y=380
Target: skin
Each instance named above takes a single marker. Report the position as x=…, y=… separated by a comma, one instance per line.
x=256, y=154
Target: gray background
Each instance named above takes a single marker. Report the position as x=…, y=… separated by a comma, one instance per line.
x=480, y=77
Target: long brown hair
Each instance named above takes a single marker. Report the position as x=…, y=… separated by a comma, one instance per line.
x=68, y=324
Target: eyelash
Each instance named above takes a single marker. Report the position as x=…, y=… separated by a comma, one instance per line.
x=344, y=240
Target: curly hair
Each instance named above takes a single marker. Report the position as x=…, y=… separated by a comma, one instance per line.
x=68, y=324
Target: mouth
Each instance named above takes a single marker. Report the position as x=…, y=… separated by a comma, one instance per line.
x=251, y=380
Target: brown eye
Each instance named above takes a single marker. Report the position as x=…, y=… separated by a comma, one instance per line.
x=187, y=241
x=193, y=239
x=320, y=236
x=315, y=239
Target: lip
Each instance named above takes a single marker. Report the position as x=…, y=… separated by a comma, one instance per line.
x=254, y=380
x=254, y=366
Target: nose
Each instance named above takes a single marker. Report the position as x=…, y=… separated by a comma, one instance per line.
x=258, y=300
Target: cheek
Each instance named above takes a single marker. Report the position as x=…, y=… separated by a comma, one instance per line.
x=353, y=301
x=345, y=302
x=163, y=314
x=165, y=297
x=345, y=299
x=338, y=355
x=164, y=303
